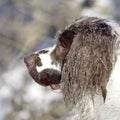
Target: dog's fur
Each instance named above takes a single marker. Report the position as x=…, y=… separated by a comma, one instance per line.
x=86, y=60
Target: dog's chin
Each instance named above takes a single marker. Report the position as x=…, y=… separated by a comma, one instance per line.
x=47, y=77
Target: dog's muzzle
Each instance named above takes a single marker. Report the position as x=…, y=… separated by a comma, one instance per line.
x=47, y=76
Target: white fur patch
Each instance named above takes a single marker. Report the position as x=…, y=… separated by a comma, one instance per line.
x=110, y=110
x=47, y=61
x=113, y=86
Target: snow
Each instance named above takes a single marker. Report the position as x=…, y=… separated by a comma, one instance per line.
x=15, y=86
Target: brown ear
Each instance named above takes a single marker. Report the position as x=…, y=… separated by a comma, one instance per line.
x=65, y=40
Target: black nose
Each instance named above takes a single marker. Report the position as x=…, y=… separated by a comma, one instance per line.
x=30, y=60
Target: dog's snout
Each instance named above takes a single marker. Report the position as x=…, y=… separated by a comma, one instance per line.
x=29, y=60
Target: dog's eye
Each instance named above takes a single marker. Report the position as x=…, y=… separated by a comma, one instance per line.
x=38, y=61
x=43, y=51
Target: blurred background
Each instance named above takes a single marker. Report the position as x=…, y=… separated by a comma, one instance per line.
x=29, y=25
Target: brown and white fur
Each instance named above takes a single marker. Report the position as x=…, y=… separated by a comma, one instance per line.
x=94, y=99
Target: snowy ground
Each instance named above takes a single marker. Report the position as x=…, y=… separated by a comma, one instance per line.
x=17, y=89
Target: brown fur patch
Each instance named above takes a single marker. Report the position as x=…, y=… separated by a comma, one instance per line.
x=38, y=61
x=46, y=77
x=43, y=51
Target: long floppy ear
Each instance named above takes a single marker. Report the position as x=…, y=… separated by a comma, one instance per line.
x=65, y=39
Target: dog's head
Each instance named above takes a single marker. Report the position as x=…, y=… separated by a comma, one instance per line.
x=45, y=66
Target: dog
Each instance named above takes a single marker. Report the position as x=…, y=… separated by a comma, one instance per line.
x=101, y=40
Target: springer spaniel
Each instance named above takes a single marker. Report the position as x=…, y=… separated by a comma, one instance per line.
x=97, y=42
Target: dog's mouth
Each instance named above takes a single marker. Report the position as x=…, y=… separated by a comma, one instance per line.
x=47, y=77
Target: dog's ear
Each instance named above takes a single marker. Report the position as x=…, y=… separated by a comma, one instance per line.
x=65, y=39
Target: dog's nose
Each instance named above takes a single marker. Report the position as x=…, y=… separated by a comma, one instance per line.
x=30, y=60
